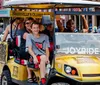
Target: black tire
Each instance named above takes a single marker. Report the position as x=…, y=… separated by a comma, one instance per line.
x=6, y=78
x=60, y=83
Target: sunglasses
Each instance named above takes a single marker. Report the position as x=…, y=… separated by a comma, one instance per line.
x=27, y=23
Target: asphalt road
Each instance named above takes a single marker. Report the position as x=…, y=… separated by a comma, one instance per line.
x=36, y=84
x=52, y=84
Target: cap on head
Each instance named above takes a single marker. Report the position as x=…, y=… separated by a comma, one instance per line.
x=46, y=20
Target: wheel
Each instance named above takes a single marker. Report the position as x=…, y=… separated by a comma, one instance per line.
x=60, y=83
x=6, y=78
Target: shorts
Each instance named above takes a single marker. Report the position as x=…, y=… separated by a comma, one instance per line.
x=31, y=62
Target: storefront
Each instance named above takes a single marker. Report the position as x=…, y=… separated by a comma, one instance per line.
x=4, y=18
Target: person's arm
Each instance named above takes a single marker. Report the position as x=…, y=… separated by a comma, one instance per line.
x=47, y=52
x=30, y=50
x=25, y=35
x=60, y=26
x=47, y=48
x=6, y=33
x=85, y=24
x=32, y=54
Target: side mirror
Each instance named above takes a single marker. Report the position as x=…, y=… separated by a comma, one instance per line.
x=18, y=41
x=57, y=46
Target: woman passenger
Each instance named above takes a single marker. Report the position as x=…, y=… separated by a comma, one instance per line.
x=27, y=26
x=17, y=28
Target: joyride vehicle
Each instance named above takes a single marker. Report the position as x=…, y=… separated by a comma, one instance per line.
x=76, y=55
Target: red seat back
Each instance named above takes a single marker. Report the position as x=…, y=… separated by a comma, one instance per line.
x=51, y=46
x=18, y=41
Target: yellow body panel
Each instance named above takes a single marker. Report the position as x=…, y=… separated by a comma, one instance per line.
x=30, y=14
x=36, y=6
x=88, y=67
x=41, y=6
x=19, y=72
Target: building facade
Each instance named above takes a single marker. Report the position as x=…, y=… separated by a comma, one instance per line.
x=95, y=19
x=4, y=16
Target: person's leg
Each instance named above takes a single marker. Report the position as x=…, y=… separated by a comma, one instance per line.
x=29, y=72
x=42, y=66
x=43, y=69
x=29, y=69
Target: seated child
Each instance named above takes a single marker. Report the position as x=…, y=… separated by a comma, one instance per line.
x=38, y=48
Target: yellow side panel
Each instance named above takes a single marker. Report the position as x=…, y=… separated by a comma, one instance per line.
x=29, y=14
x=36, y=6
x=58, y=67
x=41, y=6
x=18, y=72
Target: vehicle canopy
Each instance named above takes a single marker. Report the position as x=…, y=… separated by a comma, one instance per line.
x=55, y=3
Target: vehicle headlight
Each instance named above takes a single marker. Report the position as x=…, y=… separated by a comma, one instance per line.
x=70, y=70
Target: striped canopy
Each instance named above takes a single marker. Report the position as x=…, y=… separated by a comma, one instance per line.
x=54, y=2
